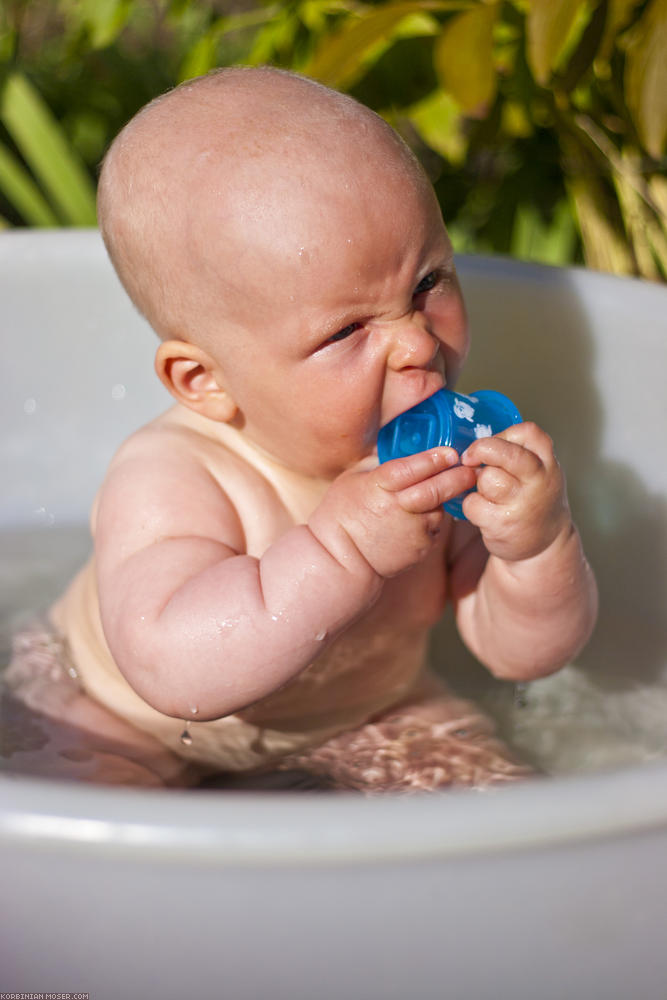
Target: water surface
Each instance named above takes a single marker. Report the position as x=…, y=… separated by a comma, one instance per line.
x=565, y=724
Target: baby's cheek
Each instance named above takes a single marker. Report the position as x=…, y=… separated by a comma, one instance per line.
x=450, y=325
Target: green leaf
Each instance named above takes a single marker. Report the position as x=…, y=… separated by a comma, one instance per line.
x=438, y=121
x=339, y=61
x=619, y=13
x=548, y=242
x=549, y=23
x=202, y=56
x=22, y=193
x=463, y=59
x=657, y=186
x=638, y=225
x=516, y=121
x=275, y=36
x=644, y=208
x=104, y=19
x=605, y=246
x=45, y=148
x=585, y=52
x=646, y=77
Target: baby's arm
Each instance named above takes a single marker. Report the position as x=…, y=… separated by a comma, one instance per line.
x=192, y=621
x=524, y=594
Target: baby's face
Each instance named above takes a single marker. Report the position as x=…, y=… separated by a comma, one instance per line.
x=348, y=312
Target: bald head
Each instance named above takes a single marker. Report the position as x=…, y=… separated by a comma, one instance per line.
x=215, y=176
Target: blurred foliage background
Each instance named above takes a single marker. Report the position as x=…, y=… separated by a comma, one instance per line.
x=542, y=123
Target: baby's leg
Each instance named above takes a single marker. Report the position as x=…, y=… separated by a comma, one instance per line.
x=52, y=728
x=431, y=740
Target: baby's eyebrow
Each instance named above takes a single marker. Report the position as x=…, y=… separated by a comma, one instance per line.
x=448, y=269
x=442, y=257
x=339, y=321
x=434, y=258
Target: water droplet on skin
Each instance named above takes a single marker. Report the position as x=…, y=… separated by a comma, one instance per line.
x=185, y=737
x=321, y=636
x=194, y=709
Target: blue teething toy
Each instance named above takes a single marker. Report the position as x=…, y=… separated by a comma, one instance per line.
x=447, y=418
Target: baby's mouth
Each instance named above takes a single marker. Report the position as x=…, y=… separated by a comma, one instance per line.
x=433, y=379
x=438, y=369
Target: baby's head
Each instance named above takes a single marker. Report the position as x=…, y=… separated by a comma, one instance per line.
x=289, y=251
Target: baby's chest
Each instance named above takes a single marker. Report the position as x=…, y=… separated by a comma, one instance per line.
x=374, y=661
x=416, y=598
x=270, y=507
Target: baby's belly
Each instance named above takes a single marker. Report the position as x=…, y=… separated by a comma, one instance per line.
x=369, y=668
x=360, y=674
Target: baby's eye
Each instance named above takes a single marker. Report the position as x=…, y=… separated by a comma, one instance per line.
x=345, y=332
x=427, y=283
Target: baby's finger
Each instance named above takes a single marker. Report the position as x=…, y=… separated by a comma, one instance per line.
x=496, y=484
x=514, y=458
x=401, y=473
x=480, y=510
x=532, y=437
x=431, y=493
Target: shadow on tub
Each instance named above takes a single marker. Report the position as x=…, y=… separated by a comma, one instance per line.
x=566, y=359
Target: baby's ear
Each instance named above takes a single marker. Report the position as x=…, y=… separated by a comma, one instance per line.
x=193, y=378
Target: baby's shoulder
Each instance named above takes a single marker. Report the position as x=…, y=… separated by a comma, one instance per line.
x=175, y=476
x=174, y=442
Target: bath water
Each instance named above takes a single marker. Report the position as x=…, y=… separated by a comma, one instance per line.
x=562, y=724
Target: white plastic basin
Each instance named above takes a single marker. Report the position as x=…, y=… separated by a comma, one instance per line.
x=552, y=889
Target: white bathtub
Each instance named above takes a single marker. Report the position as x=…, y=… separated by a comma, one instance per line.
x=547, y=890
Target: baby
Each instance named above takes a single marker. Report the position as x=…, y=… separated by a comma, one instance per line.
x=261, y=591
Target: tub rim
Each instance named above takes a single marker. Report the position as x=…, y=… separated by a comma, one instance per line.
x=241, y=828
x=229, y=828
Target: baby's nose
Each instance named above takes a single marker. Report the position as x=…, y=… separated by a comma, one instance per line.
x=412, y=345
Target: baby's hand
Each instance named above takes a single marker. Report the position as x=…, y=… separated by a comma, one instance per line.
x=521, y=504
x=391, y=513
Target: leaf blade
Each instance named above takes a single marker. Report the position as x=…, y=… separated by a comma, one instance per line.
x=22, y=193
x=339, y=59
x=463, y=59
x=646, y=77
x=548, y=26
x=45, y=148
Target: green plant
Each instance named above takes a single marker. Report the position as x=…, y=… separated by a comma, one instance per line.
x=542, y=123
x=548, y=118
x=66, y=194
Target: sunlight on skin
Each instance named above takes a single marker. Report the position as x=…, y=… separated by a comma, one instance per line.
x=251, y=558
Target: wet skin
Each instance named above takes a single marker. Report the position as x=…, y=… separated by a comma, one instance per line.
x=251, y=558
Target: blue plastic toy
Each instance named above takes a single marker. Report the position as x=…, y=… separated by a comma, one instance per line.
x=447, y=418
